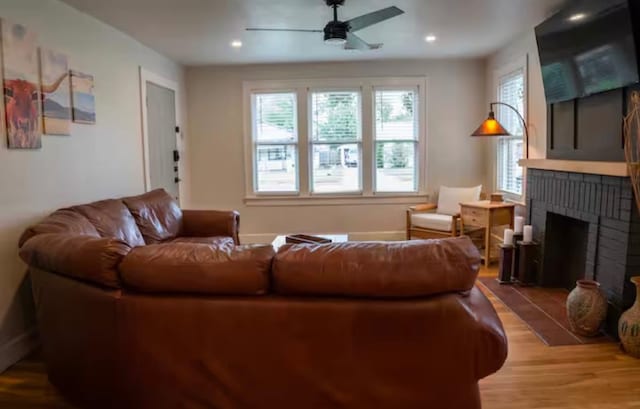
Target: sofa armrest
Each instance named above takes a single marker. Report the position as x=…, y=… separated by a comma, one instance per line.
x=206, y=223
x=491, y=346
x=85, y=258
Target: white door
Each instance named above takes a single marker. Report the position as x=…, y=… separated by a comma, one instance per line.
x=162, y=129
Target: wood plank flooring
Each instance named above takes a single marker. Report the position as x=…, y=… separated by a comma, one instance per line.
x=535, y=376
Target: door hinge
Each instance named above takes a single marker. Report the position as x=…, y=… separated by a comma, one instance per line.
x=176, y=156
x=177, y=129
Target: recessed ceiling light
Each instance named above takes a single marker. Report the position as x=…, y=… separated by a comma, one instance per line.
x=577, y=17
x=430, y=38
x=236, y=44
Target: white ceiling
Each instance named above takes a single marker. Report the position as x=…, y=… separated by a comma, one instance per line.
x=197, y=32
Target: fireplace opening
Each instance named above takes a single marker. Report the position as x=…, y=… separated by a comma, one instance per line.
x=565, y=252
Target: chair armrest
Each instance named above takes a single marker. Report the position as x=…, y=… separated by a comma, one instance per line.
x=423, y=207
x=206, y=223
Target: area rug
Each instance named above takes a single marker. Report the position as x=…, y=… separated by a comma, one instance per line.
x=542, y=310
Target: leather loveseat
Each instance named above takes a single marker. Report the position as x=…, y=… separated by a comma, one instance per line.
x=143, y=305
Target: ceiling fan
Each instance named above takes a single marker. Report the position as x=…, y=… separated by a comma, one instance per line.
x=341, y=32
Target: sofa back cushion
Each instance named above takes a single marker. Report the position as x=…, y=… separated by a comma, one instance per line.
x=60, y=221
x=198, y=268
x=111, y=218
x=157, y=215
x=86, y=258
x=449, y=198
x=376, y=269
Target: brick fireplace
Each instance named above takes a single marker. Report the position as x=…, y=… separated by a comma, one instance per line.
x=588, y=227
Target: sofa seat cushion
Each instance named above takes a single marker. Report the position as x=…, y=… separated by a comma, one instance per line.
x=377, y=269
x=86, y=258
x=61, y=221
x=198, y=268
x=432, y=221
x=157, y=215
x=112, y=219
x=218, y=241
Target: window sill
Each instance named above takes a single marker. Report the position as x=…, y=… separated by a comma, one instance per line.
x=336, y=200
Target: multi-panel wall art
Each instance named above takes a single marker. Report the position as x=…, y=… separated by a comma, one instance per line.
x=41, y=94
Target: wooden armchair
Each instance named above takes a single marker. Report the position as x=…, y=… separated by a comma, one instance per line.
x=441, y=220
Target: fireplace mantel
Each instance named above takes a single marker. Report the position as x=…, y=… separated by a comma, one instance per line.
x=591, y=167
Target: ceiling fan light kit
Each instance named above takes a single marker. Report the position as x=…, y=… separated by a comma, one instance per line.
x=338, y=32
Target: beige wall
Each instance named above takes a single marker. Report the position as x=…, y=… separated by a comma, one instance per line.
x=96, y=162
x=455, y=106
x=521, y=46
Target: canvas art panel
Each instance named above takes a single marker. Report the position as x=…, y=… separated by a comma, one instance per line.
x=21, y=86
x=56, y=92
x=82, y=98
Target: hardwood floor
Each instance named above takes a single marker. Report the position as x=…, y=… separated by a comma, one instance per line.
x=535, y=376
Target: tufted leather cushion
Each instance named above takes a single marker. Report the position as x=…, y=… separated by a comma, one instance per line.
x=60, y=221
x=111, y=218
x=391, y=270
x=198, y=268
x=157, y=215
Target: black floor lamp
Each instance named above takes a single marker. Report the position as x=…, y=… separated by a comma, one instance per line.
x=491, y=126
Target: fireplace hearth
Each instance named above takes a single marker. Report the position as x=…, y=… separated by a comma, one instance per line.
x=588, y=227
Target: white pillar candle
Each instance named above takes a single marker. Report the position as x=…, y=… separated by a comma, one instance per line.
x=508, y=237
x=519, y=223
x=527, y=235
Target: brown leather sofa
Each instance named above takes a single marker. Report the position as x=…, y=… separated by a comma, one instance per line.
x=143, y=305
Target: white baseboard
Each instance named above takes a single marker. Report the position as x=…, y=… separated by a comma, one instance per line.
x=267, y=238
x=18, y=348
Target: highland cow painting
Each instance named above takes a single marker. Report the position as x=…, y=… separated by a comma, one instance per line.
x=83, y=100
x=56, y=93
x=21, y=86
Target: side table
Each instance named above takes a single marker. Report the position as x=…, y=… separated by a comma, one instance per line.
x=486, y=215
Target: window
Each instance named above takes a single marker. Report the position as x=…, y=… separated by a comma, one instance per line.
x=275, y=139
x=396, y=140
x=336, y=142
x=333, y=140
x=511, y=90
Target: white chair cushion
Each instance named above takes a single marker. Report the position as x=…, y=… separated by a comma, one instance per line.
x=450, y=198
x=432, y=221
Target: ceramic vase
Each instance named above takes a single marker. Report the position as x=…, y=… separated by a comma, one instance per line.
x=586, y=308
x=629, y=325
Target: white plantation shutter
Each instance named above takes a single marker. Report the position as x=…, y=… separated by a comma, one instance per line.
x=396, y=140
x=511, y=88
x=275, y=136
x=336, y=141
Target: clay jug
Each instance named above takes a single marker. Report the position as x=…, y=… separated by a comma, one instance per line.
x=629, y=325
x=586, y=308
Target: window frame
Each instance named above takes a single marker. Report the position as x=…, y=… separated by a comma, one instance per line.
x=517, y=64
x=255, y=144
x=416, y=141
x=304, y=89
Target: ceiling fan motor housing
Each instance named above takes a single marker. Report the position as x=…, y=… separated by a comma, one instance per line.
x=336, y=31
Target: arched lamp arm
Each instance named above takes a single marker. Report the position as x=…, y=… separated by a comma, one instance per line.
x=524, y=124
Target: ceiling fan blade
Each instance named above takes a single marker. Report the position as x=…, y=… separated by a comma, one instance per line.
x=295, y=30
x=356, y=43
x=370, y=19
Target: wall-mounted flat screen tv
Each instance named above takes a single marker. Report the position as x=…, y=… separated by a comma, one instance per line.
x=589, y=47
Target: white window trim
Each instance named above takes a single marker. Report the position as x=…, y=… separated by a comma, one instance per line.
x=516, y=64
x=303, y=89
